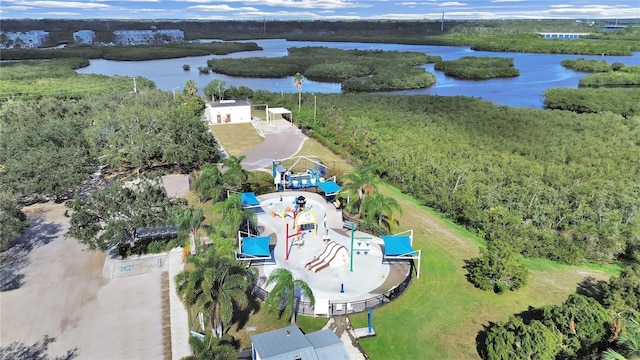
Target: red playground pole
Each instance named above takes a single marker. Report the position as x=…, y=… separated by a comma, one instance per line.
x=286, y=250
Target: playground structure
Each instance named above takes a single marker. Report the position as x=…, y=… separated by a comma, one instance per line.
x=333, y=254
x=318, y=251
x=285, y=178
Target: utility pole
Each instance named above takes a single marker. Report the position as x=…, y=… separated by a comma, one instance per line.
x=314, y=107
x=135, y=88
x=442, y=22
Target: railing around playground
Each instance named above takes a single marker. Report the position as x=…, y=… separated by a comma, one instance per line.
x=337, y=308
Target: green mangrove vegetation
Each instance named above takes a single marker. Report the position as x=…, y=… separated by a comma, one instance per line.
x=610, y=75
x=35, y=79
x=591, y=66
x=478, y=68
x=132, y=53
x=552, y=183
x=357, y=70
x=622, y=101
x=589, y=324
x=611, y=79
x=533, y=43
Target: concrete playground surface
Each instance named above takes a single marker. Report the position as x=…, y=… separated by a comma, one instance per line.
x=361, y=277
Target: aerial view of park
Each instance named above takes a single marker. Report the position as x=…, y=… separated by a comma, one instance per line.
x=320, y=180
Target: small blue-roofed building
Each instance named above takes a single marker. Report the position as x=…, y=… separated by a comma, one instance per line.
x=291, y=344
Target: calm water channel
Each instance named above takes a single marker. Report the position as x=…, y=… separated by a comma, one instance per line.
x=538, y=72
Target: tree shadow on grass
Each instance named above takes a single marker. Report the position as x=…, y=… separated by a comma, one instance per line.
x=481, y=340
x=36, y=351
x=591, y=287
x=15, y=259
x=241, y=318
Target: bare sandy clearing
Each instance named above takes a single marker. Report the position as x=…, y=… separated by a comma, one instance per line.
x=58, y=290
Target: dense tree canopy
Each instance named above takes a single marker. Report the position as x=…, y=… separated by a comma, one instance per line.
x=51, y=145
x=581, y=327
x=42, y=147
x=12, y=219
x=111, y=216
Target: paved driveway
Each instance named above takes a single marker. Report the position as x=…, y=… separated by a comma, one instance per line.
x=280, y=142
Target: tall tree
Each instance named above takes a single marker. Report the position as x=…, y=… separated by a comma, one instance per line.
x=189, y=220
x=285, y=290
x=217, y=284
x=208, y=183
x=234, y=215
x=110, y=216
x=190, y=88
x=361, y=182
x=298, y=79
x=382, y=209
x=234, y=176
x=215, y=87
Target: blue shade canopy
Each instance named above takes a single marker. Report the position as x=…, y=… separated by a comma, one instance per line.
x=396, y=245
x=329, y=187
x=256, y=246
x=249, y=200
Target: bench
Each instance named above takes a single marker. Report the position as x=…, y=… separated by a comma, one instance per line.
x=350, y=225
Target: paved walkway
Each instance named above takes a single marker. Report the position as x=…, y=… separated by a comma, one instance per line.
x=178, y=313
x=281, y=141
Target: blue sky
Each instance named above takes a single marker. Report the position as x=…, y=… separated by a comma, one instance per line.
x=318, y=9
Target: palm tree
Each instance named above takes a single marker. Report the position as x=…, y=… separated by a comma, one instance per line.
x=216, y=284
x=361, y=181
x=233, y=216
x=190, y=220
x=190, y=88
x=298, y=79
x=381, y=208
x=211, y=349
x=208, y=184
x=285, y=289
x=234, y=176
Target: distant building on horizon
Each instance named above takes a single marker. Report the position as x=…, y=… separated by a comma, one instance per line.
x=84, y=36
x=18, y=40
x=136, y=37
x=563, y=35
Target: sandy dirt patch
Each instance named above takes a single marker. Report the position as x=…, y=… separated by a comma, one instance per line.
x=55, y=287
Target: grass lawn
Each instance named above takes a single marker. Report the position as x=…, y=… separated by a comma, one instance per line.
x=441, y=313
x=237, y=138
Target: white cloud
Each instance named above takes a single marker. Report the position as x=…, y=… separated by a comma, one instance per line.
x=223, y=7
x=61, y=4
x=452, y=3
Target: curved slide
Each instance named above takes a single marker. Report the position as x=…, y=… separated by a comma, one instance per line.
x=323, y=254
x=328, y=255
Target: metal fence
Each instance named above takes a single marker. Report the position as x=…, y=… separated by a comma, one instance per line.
x=337, y=308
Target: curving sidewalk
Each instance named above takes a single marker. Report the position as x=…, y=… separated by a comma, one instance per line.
x=281, y=141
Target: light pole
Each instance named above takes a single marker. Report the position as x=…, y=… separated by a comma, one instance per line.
x=314, y=107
